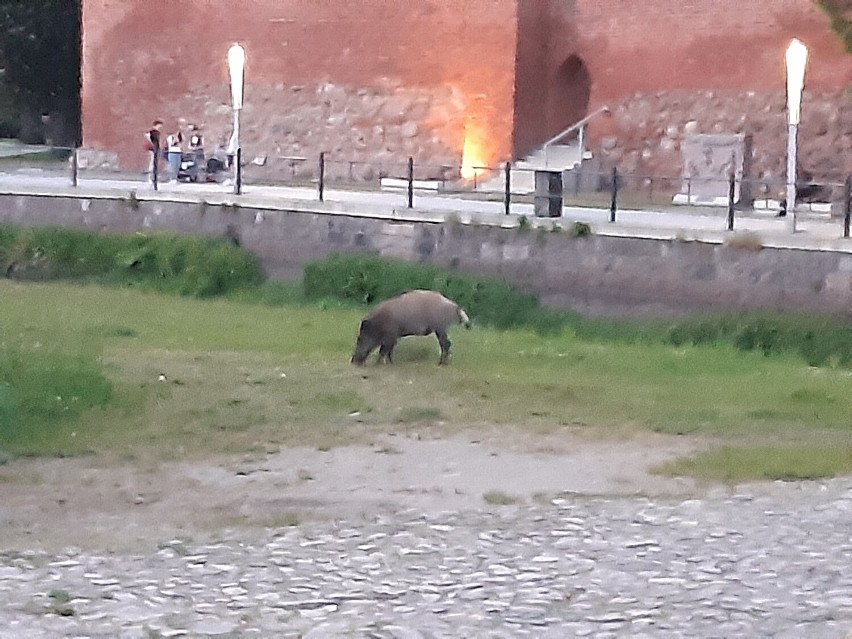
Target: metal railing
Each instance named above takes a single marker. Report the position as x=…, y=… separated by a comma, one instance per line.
x=578, y=127
x=605, y=189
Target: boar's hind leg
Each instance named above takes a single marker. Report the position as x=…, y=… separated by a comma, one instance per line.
x=444, y=341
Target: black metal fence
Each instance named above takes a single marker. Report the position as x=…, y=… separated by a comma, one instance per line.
x=608, y=189
x=595, y=188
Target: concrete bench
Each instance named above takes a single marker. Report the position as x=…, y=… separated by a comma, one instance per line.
x=401, y=184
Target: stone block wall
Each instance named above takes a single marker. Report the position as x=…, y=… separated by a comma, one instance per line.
x=365, y=132
x=594, y=275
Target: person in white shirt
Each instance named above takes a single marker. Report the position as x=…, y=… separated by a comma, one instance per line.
x=173, y=153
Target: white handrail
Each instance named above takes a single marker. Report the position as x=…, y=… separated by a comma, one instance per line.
x=578, y=125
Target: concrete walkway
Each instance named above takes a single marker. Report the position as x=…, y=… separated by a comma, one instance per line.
x=10, y=149
x=814, y=230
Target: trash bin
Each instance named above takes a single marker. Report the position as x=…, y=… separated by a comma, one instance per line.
x=548, y=194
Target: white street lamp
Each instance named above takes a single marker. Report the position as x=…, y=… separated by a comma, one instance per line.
x=796, y=60
x=237, y=70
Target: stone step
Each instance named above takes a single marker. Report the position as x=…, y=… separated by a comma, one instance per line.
x=557, y=157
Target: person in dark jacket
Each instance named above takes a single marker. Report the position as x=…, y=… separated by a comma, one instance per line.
x=196, y=151
x=152, y=144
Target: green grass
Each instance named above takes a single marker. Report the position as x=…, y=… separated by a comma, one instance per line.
x=499, y=498
x=242, y=376
x=728, y=464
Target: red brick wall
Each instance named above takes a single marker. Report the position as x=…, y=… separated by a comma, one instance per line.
x=547, y=35
x=703, y=44
x=141, y=57
x=668, y=66
x=491, y=64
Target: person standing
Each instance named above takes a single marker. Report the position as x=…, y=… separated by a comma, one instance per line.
x=152, y=144
x=196, y=140
x=174, y=150
x=196, y=149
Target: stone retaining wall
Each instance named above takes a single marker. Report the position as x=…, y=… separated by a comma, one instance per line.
x=597, y=274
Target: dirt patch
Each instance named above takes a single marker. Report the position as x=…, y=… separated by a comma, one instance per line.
x=82, y=502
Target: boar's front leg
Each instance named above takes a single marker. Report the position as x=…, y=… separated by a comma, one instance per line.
x=386, y=352
x=444, y=341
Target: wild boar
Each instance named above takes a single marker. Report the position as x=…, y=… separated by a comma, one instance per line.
x=412, y=313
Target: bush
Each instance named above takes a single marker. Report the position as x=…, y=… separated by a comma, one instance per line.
x=580, y=229
x=191, y=266
x=697, y=331
x=841, y=20
x=818, y=340
x=368, y=279
x=746, y=240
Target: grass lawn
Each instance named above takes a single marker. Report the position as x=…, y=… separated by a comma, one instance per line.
x=117, y=372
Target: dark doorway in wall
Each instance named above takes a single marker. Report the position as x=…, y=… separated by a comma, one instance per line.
x=40, y=80
x=569, y=95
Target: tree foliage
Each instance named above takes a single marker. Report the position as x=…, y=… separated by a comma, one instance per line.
x=40, y=50
x=840, y=12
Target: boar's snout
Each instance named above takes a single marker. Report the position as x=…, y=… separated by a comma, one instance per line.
x=363, y=347
x=366, y=342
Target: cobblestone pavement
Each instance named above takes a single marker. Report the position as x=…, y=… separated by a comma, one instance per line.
x=770, y=563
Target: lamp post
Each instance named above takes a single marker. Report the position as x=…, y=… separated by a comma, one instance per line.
x=237, y=71
x=796, y=60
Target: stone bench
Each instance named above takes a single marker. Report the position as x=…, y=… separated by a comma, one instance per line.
x=401, y=184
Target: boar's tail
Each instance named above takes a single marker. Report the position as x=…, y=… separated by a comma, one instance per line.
x=463, y=318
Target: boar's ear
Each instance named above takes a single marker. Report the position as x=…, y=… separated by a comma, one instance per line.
x=368, y=327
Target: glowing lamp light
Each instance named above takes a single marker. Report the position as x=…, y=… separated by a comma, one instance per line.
x=796, y=59
x=237, y=68
x=237, y=71
x=473, y=164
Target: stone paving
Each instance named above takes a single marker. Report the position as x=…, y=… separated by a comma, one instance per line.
x=768, y=563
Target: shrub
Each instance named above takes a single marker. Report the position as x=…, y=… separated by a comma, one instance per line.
x=133, y=201
x=747, y=241
x=819, y=340
x=841, y=20
x=452, y=220
x=705, y=330
x=580, y=229
x=191, y=266
x=368, y=279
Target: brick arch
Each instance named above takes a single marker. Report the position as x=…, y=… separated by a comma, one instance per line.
x=569, y=94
